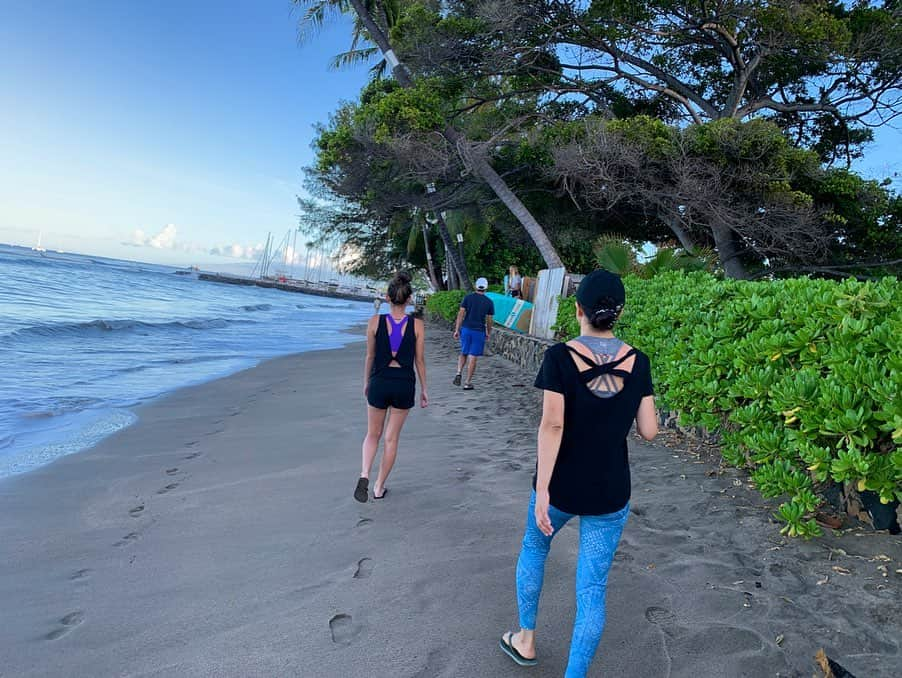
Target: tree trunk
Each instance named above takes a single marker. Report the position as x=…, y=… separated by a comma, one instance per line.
x=728, y=252
x=481, y=166
x=452, y=274
x=453, y=256
x=430, y=264
x=487, y=173
x=673, y=223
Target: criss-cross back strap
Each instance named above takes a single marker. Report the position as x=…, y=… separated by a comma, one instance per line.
x=596, y=370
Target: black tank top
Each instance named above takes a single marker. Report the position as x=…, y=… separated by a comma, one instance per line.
x=404, y=357
x=592, y=474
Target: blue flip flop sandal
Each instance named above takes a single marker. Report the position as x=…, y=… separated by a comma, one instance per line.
x=511, y=651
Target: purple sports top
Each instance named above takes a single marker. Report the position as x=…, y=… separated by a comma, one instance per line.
x=396, y=333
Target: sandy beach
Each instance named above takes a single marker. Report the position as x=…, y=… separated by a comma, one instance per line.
x=218, y=537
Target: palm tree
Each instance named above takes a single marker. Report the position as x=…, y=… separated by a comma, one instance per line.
x=368, y=12
x=413, y=237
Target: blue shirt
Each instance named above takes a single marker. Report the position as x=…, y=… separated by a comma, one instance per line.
x=477, y=306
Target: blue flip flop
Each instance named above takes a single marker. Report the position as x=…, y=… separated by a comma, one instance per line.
x=511, y=651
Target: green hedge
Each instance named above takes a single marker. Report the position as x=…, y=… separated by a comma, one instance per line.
x=801, y=378
x=445, y=304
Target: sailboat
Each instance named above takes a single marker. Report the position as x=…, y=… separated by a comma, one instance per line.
x=37, y=247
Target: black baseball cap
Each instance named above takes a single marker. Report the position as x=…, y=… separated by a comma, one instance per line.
x=599, y=286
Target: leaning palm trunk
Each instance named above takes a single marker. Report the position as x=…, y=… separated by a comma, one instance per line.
x=457, y=262
x=434, y=278
x=479, y=164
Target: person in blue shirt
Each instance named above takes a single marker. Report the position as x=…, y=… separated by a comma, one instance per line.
x=473, y=327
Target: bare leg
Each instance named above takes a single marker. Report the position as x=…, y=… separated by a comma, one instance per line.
x=460, y=363
x=524, y=642
x=375, y=419
x=471, y=368
x=392, y=434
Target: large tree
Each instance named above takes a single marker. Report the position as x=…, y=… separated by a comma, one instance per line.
x=825, y=73
x=367, y=13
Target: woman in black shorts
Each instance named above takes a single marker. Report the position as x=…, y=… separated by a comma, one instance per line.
x=395, y=345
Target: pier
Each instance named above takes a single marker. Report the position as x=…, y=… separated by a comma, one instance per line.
x=333, y=290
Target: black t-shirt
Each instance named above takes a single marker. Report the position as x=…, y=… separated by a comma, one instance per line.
x=591, y=475
x=477, y=306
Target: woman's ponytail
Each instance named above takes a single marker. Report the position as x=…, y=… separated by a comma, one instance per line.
x=605, y=314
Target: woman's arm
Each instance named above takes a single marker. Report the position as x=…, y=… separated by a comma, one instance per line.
x=420, y=361
x=551, y=431
x=647, y=418
x=370, y=351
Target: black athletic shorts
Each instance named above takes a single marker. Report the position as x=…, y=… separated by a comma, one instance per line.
x=385, y=392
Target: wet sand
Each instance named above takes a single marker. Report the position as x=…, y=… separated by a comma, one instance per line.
x=218, y=537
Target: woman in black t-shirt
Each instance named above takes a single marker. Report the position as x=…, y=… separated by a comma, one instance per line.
x=594, y=386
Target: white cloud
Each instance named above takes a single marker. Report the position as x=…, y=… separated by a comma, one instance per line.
x=165, y=239
x=237, y=251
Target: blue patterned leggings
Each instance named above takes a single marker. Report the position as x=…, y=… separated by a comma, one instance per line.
x=598, y=539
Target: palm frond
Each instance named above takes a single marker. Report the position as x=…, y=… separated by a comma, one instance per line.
x=353, y=57
x=616, y=254
x=316, y=14
x=413, y=236
x=379, y=70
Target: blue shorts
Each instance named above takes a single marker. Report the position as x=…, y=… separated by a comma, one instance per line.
x=471, y=341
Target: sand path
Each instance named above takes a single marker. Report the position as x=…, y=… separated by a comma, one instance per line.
x=218, y=537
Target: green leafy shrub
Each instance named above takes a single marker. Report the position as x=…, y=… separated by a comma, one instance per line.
x=800, y=377
x=445, y=304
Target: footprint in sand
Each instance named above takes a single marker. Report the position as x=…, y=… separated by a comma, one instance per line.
x=464, y=476
x=127, y=539
x=69, y=622
x=364, y=521
x=137, y=511
x=193, y=455
x=364, y=568
x=80, y=574
x=192, y=443
x=172, y=471
x=168, y=488
x=343, y=629
x=660, y=616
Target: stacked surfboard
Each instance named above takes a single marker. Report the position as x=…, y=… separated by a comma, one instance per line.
x=511, y=313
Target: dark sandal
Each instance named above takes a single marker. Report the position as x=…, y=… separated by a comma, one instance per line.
x=456, y=381
x=384, y=492
x=468, y=387
x=361, y=493
x=511, y=651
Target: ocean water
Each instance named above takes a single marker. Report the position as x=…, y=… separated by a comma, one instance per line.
x=83, y=340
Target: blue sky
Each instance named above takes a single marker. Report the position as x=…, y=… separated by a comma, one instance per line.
x=168, y=122
x=177, y=126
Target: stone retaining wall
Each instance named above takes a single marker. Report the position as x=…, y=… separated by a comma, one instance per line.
x=521, y=349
